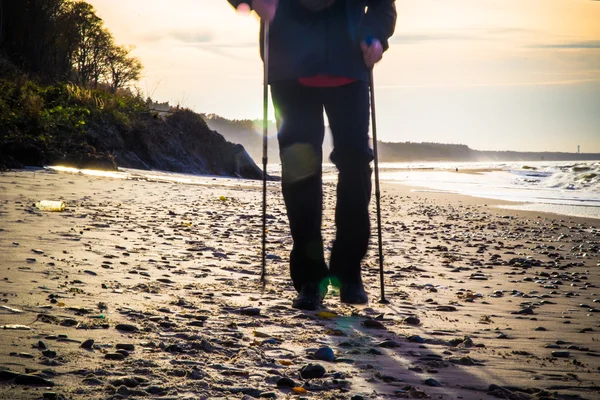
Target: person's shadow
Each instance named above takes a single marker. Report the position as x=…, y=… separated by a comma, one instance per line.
x=374, y=360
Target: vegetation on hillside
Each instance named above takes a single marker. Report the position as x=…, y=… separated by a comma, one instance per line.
x=41, y=124
x=66, y=97
x=61, y=73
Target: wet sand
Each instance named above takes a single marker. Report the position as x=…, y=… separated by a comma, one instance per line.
x=144, y=289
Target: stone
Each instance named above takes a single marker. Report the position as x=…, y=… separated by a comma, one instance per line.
x=324, y=354
x=250, y=311
x=286, y=382
x=312, y=371
x=28, y=379
x=114, y=356
x=127, y=328
x=388, y=344
x=49, y=353
x=126, y=381
x=7, y=375
x=416, y=339
x=373, y=324
x=88, y=344
x=432, y=382
x=411, y=321
x=154, y=389
x=445, y=308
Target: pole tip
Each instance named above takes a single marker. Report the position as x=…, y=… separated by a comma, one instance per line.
x=384, y=301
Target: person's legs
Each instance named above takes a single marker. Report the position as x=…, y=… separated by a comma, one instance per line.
x=299, y=112
x=347, y=109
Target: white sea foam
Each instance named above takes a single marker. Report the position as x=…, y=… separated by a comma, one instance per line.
x=567, y=188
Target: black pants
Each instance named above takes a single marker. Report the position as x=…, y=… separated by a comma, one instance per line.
x=299, y=111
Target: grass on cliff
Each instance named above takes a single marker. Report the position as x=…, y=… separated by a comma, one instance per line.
x=41, y=122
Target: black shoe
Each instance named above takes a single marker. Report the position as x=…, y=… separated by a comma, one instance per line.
x=353, y=293
x=309, y=298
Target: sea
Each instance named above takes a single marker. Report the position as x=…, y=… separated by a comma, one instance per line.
x=562, y=188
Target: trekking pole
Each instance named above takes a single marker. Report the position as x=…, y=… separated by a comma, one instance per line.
x=263, y=274
x=382, y=300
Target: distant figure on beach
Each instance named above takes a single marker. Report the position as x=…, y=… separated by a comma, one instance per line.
x=319, y=60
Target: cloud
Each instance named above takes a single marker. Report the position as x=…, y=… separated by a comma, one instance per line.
x=183, y=36
x=586, y=44
x=468, y=34
x=200, y=39
x=411, y=38
x=497, y=84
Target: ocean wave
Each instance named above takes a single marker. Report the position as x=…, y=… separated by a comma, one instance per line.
x=584, y=176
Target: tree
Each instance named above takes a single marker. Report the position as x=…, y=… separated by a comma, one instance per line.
x=27, y=33
x=90, y=42
x=122, y=68
x=58, y=40
x=100, y=47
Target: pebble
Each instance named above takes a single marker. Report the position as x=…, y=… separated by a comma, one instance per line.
x=114, y=356
x=324, y=354
x=49, y=353
x=411, y=321
x=268, y=395
x=88, y=344
x=127, y=328
x=68, y=322
x=124, y=352
x=416, y=339
x=312, y=371
x=125, y=346
x=389, y=344
x=286, y=382
x=373, y=324
x=250, y=311
x=154, y=389
x=432, y=382
x=561, y=354
x=524, y=311
x=127, y=381
x=7, y=375
x=28, y=379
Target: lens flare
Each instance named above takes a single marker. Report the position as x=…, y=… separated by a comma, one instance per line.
x=299, y=161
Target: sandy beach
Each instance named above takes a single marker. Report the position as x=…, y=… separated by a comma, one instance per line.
x=150, y=289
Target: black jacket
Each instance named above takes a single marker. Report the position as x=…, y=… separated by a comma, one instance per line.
x=305, y=43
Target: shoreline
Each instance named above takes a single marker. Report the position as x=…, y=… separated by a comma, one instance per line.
x=551, y=209
x=173, y=270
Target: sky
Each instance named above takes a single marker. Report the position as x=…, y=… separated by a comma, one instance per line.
x=492, y=74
